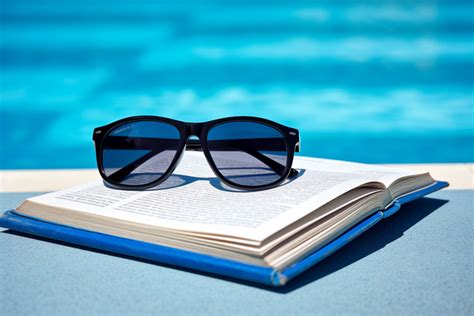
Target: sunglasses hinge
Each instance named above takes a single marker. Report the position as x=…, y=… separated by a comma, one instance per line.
x=97, y=133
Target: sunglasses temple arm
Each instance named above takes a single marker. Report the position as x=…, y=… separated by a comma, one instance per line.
x=124, y=143
x=274, y=165
x=123, y=172
x=240, y=145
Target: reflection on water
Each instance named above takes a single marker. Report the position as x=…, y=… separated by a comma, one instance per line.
x=372, y=81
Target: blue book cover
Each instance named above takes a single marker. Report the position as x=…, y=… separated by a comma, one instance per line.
x=197, y=261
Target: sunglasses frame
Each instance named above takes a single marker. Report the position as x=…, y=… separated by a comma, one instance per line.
x=200, y=130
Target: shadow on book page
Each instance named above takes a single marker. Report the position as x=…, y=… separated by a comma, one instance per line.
x=179, y=180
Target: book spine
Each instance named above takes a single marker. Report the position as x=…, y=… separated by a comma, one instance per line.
x=138, y=249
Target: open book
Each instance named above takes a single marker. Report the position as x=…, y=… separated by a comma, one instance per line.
x=193, y=211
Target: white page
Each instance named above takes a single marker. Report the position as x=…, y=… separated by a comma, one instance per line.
x=385, y=175
x=193, y=199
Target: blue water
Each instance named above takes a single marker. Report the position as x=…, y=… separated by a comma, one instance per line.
x=371, y=81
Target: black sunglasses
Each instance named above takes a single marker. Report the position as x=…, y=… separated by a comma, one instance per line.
x=245, y=152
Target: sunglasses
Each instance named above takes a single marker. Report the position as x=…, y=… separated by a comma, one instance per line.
x=245, y=152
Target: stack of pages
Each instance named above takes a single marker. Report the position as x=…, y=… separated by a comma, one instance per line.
x=193, y=214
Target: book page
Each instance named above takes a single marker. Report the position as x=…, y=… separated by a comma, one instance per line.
x=385, y=175
x=193, y=199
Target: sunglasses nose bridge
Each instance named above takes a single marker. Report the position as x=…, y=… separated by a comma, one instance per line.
x=194, y=129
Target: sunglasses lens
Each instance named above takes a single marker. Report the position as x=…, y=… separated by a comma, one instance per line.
x=248, y=153
x=139, y=153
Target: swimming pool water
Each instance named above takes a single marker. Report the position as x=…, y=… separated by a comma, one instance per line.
x=371, y=81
